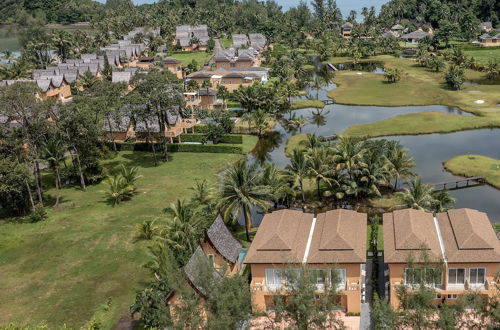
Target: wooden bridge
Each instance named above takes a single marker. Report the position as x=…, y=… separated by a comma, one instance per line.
x=455, y=184
x=328, y=138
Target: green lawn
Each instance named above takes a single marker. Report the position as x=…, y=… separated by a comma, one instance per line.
x=475, y=165
x=295, y=142
x=187, y=57
x=303, y=104
x=386, y=202
x=63, y=270
x=418, y=86
x=226, y=42
x=420, y=123
x=484, y=55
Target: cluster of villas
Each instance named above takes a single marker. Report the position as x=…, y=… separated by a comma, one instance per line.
x=490, y=37
x=54, y=81
x=461, y=243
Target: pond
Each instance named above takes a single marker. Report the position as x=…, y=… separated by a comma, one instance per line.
x=429, y=151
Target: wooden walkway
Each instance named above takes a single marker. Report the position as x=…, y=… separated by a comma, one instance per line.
x=455, y=184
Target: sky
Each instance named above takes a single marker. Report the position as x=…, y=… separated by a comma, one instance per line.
x=345, y=5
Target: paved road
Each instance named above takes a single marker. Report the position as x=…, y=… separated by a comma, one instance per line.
x=365, y=322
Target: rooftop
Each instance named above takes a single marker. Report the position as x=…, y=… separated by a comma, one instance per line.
x=468, y=236
x=195, y=268
x=289, y=236
x=223, y=241
x=409, y=231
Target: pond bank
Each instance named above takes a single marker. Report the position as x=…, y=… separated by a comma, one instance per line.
x=475, y=165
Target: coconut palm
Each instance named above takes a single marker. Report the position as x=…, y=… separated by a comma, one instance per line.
x=418, y=196
x=297, y=170
x=318, y=164
x=492, y=69
x=442, y=201
x=275, y=179
x=130, y=175
x=183, y=227
x=348, y=155
x=63, y=42
x=400, y=163
x=393, y=75
x=146, y=230
x=53, y=152
x=241, y=189
x=87, y=80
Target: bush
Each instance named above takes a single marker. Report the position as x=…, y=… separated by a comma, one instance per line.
x=228, y=138
x=197, y=148
x=39, y=214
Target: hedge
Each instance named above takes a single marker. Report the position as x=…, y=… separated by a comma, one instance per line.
x=229, y=138
x=199, y=148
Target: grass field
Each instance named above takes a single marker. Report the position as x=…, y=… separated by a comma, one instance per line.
x=380, y=237
x=484, y=55
x=63, y=270
x=303, y=104
x=295, y=142
x=187, y=57
x=420, y=123
x=418, y=86
x=475, y=165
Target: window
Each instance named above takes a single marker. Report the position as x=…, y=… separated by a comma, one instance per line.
x=477, y=275
x=273, y=277
x=428, y=276
x=456, y=276
x=341, y=276
x=452, y=296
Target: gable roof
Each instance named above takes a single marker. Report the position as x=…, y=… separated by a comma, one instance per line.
x=121, y=77
x=195, y=268
x=347, y=25
x=416, y=35
x=171, y=60
x=338, y=237
x=408, y=231
x=468, y=236
x=281, y=238
x=223, y=241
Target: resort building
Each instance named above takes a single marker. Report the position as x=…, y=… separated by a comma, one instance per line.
x=190, y=38
x=346, y=30
x=209, y=100
x=237, y=58
x=462, y=242
x=415, y=36
x=240, y=40
x=51, y=87
x=488, y=40
x=231, y=78
x=329, y=243
x=485, y=26
x=173, y=65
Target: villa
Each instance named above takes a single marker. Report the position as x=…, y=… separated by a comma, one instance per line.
x=173, y=65
x=415, y=36
x=486, y=26
x=191, y=38
x=489, y=40
x=288, y=240
x=237, y=58
x=462, y=240
x=346, y=30
x=231, y=78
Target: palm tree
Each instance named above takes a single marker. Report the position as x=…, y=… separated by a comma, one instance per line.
x=202, y=193
x=349, y=154
x=260, y=120
x=393, y=75
x=87, y=80
x=297, y=170
x=8, y=55
x=275, y=179
x=492, y=69
x=15, y=70
x=53, y=152
x=63, y=42
x=399, y=163
x=192, y=86
x=183, y=227
x=418, y=196
x=442, y=201
x=241, y=189
x=146, y=230
x=318, y=164
x=130, y=175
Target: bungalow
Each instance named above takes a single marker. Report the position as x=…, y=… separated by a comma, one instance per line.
x=173, y=65
x=463, y=240
x=329, y=243
x=236, y=58
x=257, y=41
x=488, y=40
x=485, y=26
x=192, y=99
x=415, y=36
x=54, y=87
x=239, y=40
x=346, y=30
x=190, y=38
x=144, y=62
x=209, y=100
x=119, y=129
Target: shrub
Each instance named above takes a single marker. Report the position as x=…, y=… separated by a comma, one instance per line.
x=196, y=148
x=39, y=214
x=228, y=138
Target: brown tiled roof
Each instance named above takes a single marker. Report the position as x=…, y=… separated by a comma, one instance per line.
x=281, y=238
x=468, y=236
x=339, y=237
x=407, y=232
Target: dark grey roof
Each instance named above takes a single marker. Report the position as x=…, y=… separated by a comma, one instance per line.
x=195, y=268
x=397, y=27
x=200, y=75
x=171, y=60
x=416, y=35
x=233, y=75
x=347, y=25
x=118, y=124
x=486, y=25
x=223, y=241
x=154, y=126
x=205, y=91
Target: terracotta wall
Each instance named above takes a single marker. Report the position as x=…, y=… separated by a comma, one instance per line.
x=262, y=299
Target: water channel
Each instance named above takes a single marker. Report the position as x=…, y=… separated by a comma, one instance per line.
x=429, y=151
